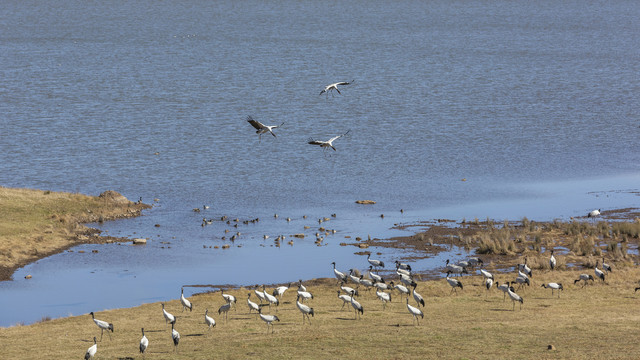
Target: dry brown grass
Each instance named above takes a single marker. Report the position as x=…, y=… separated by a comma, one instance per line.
x=598, y=321
x=36, y=223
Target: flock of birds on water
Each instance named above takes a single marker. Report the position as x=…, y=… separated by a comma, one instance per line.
x=406, y=286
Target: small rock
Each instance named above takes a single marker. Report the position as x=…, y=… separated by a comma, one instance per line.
x=28, y=276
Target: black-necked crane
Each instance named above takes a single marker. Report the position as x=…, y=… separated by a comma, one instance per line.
x=599, y=273
x=401, y=288
x=356, y=306
x=262, y=128
x=384, y=297
x=270, y=298
x=455, y=269
x=488, y=284
x=300, y=286
x=225, y=309
x=91, y=351
x=415, y=312
x=593, y=213
x=345, y=299
x=252, y=305
x=168, y=317
x=417, y=297
x=475, y=261
x=144, y=343
x=103, y=325
x=407, y=280
x=260, y=294
x=403, y=266
x=186, y=304
x=175, y=336
x=514, y=297
x=525, y=268
x=305, y=310
x=401, y=272
x=229, y=299
x=584, y=278
x=374, y=262
x=327, y=144
x=269, y=319
x=552, y=261
x=353, y=278
x=368, y=284
x=521, y=280
x=504, y=288
x=338, y=274
x=280, y=290
x=486, y=275
x=211, y=323
x=455, y=284
x=348, y=289
x=305, y=295
x=375, y=277
x=553, y=286
x=606, y=267
x=381, y=286
x=329, y=88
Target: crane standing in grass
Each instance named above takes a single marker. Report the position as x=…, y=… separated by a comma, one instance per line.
x=305, y=310
x=269, y=319
x=103, y=325
x=553, y=286
x=144, y=343
x=415, y=312
x=209, y=320
x=186, y=304
x=356, y=306
x=552, y=261
x=175, y=336
x=168, y=317
x=91, y=351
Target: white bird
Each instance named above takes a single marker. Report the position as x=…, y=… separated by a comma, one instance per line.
x=327, y=144
x=252, y=305
x=280, y=290
x=504, y=288
x=599, y=273
x=305, y=310
x=606, y=267
x=455, y=283
x=103, y=325
x=168, y=318
x=353, y=278
x=455, y=269
x=415, y=312
x=514, y=297
x=525, y=268
x=368, y=284
x=334, y=86
x=401, y=288
x=209, y=320
x=269, y=319
x=553, y=286
x=374, y=262
x=175, y=336
x=347, y=289
x=186, y=304
x=487, y=275
x=374, y=276
x=144, y=343
x=345, y=299
x=91, y=351
x=259, y=294
x=230, y=299
x=488, y=284
x=407, y=280
x=474, y=261
x=402, y=266
x=585, y=278
x=381, y=286
x=520, y=280
x=552, y=261
x=338, y=274
x=384, y=297
x=417, y=297
x=300, y=286
x=305, y=295
x=356, y=306
x=593, y=213
x=270, y=298
x=225, y=309
x=262, y=128
x=401, y=272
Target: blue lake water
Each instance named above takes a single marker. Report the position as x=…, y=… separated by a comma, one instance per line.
x=535, y=104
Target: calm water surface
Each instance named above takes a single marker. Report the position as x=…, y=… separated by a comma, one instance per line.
x=533, y=103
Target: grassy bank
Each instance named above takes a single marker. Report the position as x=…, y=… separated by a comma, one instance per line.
x=597, y=321
x=35, y=223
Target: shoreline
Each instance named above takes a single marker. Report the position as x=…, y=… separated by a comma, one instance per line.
x=44, y=223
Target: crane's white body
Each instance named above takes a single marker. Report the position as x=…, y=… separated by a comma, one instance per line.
x=415, y=312
x=168, y=317
x=209, y=320
x=92, y=350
